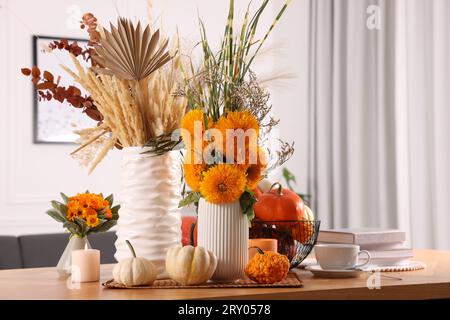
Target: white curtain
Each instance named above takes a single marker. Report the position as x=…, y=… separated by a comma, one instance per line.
x=379, y=113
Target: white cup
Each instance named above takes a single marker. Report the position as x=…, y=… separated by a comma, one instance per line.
x=339, y=256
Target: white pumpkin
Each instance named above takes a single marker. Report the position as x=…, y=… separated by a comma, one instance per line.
x=190, y=265
x=309, y=215
x=264, y=185
x=134, y=271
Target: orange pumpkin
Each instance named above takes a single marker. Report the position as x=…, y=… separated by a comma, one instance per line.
x=279, y=205
x=267, y=267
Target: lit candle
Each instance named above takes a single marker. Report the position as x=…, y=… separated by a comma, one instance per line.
x=85, y=265
x=263, y=244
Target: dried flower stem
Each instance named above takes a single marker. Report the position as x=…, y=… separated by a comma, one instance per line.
x=84, y=145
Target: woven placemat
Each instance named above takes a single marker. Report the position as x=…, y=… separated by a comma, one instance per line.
x=410, y=266
x=291, y=281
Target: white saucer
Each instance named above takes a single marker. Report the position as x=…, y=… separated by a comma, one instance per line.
x=319, y=272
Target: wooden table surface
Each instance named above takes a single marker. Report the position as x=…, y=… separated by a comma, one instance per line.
x=433, y=282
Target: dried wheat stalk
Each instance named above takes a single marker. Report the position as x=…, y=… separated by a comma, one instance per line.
x=134, y=111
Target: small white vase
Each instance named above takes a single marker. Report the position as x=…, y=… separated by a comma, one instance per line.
x=64, y=265
x=149, y=214
x=223, y=229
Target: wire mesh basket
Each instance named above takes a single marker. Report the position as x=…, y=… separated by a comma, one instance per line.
x=295, y=239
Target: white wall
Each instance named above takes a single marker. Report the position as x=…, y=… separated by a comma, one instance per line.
x=31, y=175
x=290, y=97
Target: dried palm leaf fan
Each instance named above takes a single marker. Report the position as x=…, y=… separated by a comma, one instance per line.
x=133, y=54
x=130, y=53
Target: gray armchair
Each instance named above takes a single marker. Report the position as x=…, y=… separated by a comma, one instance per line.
x=10, y=254
x=44, y=250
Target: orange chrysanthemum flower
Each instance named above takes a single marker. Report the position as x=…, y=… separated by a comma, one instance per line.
x=108, y=213
x=244, y=120
x=188, y=124
x=229, y=126
x=92, y=221
x=88, y=212
x=96, y=203
x=74, y=210
x=254, y=175
x=255, y=171
x=223, y=183
x=193, y=174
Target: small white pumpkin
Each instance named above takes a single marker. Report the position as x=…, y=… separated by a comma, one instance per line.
x=309, y=215
x=134, y=271
x=264, y=185
x=190, y=265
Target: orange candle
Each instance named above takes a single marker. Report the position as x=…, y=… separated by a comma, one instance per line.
x=85, y=265
x=263, y=244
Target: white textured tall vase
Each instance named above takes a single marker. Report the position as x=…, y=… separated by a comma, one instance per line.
x=149, y=197
x=223, y=229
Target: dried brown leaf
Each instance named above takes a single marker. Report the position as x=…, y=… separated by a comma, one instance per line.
x=48, y=76
x=26, y=71
x=35, y=72
x=45, y=86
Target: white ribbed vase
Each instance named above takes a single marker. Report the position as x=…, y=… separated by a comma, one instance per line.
x=223, y=229
x=149, y=214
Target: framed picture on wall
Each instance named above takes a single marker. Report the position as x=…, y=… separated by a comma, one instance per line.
x=54, y=122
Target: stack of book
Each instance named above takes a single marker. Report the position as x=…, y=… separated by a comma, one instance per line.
x=386, y=247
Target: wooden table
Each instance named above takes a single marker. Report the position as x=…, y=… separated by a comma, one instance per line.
x=433, y=282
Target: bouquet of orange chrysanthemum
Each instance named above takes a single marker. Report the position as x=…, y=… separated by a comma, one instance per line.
x=229, y=118
x=224, y=161
x=85, y=213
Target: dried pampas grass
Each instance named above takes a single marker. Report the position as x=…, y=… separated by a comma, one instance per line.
x=134, y=111
x=95, y=143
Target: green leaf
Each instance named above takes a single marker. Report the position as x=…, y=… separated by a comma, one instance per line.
x=249, y=191
x=64, y=197
x=250, y=216
x=115, y=209
x=58, y=206
x=115, y=212
x=289, y=177
x=163, y=143
x=191, y=198
x=205, y=119
x=247, y=200
x=72, y=227
x=55, y=214
x=105, y=226
x=110, y=199
x=83, y=226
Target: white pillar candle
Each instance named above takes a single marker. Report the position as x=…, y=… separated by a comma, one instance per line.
x=85, y=265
